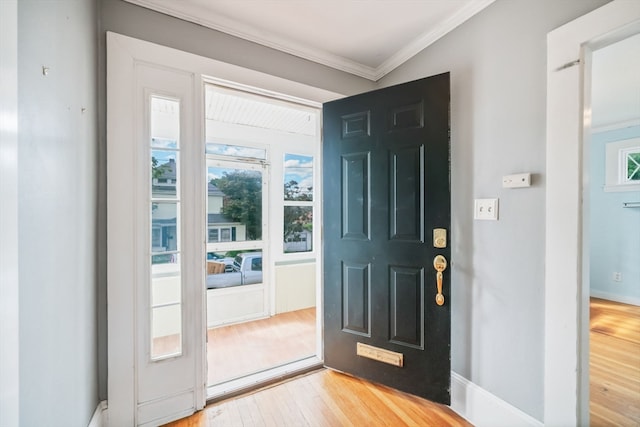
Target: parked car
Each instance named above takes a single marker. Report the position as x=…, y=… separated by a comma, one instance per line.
x=246, y=270
x=227, y=261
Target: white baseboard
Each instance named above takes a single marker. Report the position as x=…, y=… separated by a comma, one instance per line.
x=99, y=418
x=615, y=297
x=482, y=408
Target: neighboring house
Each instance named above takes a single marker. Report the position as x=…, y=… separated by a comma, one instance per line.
x=164, y=179
x=298, y=241
x=219, y=227
x=54, y=361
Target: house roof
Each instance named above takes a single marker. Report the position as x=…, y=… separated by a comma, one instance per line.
x=168, y=171
x=218, y=218
x=212, y=190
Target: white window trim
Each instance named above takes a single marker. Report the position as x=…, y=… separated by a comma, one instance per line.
x=615, y=165
x=624, y=164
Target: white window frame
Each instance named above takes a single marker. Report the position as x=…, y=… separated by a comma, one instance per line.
x=314, y=204
x=616, y=166
x=624, y=165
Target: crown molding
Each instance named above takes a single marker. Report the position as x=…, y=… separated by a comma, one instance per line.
x=245, y=32
x=429, y=37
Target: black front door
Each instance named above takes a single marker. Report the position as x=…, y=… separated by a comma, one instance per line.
x=386, y=217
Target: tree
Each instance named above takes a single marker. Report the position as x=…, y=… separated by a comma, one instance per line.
x=243, y=199
x=158, y=171
x=296, y=220
x=292, y=191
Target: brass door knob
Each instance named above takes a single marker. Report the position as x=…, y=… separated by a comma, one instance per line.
x=440, y=264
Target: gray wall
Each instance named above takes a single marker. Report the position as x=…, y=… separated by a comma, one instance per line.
x=614, y=232
x=57, y=158
x=497, y=62
x=124, y=18
x=498, y=68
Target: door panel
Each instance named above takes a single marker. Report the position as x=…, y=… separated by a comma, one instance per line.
x=355, y=192
x=386, y=187
x=356, y=298
x=406, y=194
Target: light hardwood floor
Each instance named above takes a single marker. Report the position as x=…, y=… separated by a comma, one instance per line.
x=614, y=375
x=237, y=350
x=327, y=398
x=324, y=398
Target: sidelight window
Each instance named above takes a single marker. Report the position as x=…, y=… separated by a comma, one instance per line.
x=165, y=231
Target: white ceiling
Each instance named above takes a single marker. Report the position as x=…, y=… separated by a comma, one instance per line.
x=368, y=38
x=615, y=93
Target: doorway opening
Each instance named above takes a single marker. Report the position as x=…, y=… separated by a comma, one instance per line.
x=262, y=250
x=611, y=212
x=566, y=394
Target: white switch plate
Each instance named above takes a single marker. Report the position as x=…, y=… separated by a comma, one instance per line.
x=518, y=180
x=486, y=209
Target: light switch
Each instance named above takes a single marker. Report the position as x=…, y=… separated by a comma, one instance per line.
x=486, y=209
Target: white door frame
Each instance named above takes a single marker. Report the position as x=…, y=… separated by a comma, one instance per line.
x=143, y=391
x=121, y=321
x=566, y=393
x=9, y=289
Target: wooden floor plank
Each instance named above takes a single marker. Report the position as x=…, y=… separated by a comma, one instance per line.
x=321, y=399
x=244, y=348
x=327, y=398
x=614, y=368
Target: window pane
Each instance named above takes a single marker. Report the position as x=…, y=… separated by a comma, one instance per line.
x=166, y=327
x=226, y=272
x=165, y=122
x=164, y=174
x=236, y=151
x=298, y=229
x=298, y=177
x=234, y=204
x=633, y=166
x=166, y=279
x=164, y=143
x=164, y=225
x=165, y=290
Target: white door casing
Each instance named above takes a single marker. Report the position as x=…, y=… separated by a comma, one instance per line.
x=566, y=395
x=9, y=285
x=136, y=69
x=143, y=391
